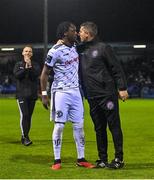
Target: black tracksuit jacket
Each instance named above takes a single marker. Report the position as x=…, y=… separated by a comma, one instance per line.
x=101, y=73
x=26, y=80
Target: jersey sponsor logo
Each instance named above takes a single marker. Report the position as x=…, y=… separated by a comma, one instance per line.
x=110, y=105
x=48, y=59
x=71, y=61
x=59, y=114
x=94, y=53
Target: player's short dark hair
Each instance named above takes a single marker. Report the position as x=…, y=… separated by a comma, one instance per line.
x=62, y=28
x=91, y=27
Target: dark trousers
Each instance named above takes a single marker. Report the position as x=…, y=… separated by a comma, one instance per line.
x=105, y=111
x=26, y=107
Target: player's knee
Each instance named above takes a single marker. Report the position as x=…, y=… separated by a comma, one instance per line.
x=78, y=133
x=78, y=125
x=58, y=128
x=78, y=130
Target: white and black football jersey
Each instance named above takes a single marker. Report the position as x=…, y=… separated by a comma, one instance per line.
x=65, y=62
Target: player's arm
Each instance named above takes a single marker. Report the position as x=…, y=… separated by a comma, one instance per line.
x=43, y=83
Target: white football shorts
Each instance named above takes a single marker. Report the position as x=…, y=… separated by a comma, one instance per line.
x=67, y=105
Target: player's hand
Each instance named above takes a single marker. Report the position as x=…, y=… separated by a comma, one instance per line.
x=60, y=41
x=45, y=102
x=123, y=95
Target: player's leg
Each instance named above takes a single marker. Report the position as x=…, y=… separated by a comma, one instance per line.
x=60, y=110
x=57, y=143
x=31, y=105
x=76, y=115
x=24, y=116
x=78, y=134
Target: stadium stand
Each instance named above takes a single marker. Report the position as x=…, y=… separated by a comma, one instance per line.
x=138, y=67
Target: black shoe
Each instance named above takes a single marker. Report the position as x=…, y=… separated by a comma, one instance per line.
x=26, y=141
x=101, y=164
x=116, y=164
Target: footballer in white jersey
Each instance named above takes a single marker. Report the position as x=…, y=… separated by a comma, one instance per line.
x=65, y=63
x=66, y=99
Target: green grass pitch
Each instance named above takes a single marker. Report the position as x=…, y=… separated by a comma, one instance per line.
x=33, y=162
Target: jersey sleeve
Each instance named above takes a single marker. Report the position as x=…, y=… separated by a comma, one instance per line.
x=51, y=58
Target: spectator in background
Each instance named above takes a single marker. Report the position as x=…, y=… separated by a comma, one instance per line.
x=26, y=73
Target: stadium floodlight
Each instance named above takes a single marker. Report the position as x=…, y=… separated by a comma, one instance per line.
x=139, y=46
x=7, y=49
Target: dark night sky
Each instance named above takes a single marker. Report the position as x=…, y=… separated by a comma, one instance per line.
x=118, y=20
